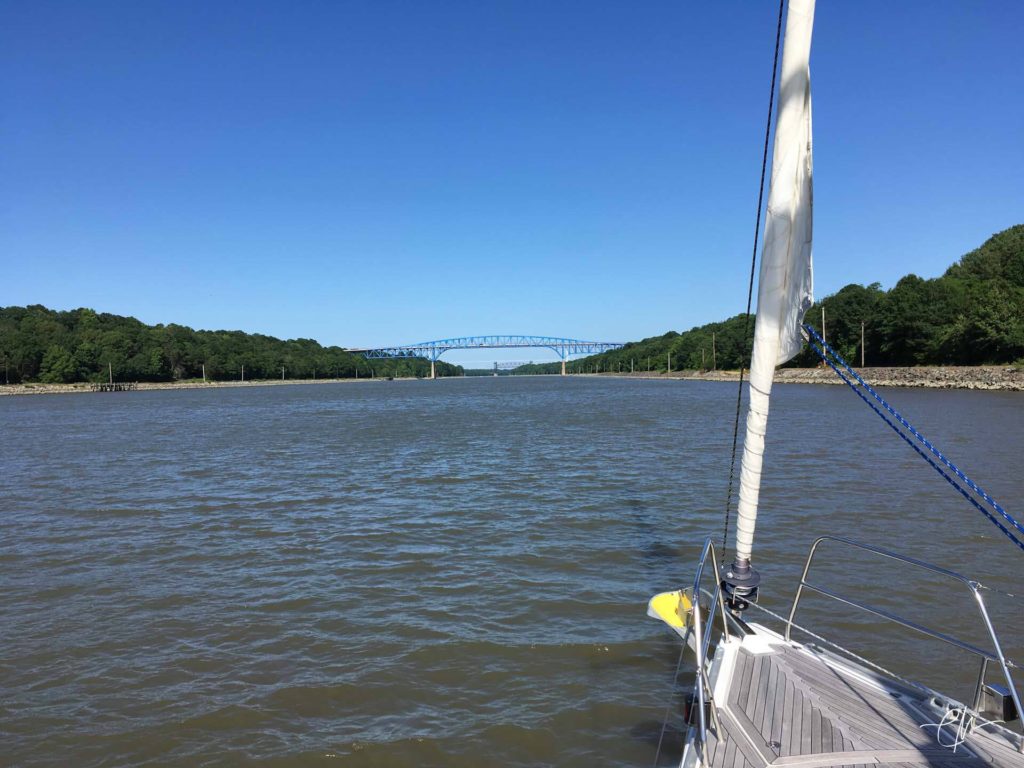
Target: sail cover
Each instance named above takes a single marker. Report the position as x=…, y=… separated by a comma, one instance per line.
x=785, y=285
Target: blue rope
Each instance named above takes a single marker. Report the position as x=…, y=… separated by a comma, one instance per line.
x=935, y=451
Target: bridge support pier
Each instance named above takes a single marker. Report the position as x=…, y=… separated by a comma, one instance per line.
x=433, y=373
x=563, y=366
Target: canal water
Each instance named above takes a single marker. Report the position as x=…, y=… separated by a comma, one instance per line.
x=448, y=573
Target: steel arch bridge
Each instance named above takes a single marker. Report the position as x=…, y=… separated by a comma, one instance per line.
x=432, y=350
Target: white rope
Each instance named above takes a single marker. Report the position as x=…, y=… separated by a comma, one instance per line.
x=965, y=721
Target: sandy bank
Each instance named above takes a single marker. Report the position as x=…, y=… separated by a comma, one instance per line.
x=989, y=377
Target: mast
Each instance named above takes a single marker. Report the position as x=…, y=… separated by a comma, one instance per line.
x=785, y=282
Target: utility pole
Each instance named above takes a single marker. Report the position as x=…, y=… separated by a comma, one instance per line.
x=110, y=373
x=861, y=343
x=631, y=365
x=243, y=371
x=714, y=354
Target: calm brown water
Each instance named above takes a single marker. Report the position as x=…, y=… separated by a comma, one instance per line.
x=436, y=573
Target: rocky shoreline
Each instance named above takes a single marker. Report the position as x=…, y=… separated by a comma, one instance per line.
x=57, y=389
x=987, y=377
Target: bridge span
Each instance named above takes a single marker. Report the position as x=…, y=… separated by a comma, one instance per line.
x=432, y=350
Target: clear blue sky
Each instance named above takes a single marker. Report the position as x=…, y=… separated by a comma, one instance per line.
x=383, y=172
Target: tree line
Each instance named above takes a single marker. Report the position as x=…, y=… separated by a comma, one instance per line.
x=972, y=315
x=40, y=344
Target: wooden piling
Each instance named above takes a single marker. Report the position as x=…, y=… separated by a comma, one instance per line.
x=115, y=386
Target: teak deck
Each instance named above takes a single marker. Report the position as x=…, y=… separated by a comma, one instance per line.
x=785, y=705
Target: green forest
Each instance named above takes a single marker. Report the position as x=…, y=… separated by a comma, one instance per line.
x=972, y=315
x=40, y=344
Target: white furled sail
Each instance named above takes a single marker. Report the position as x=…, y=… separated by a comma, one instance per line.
x=785, y=285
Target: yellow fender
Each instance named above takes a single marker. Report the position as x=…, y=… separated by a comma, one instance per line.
x=674, y=608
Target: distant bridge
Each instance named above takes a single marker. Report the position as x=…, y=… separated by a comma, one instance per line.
x=432, y=350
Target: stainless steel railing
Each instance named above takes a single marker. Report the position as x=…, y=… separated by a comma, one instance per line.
x=974, y=587
x=702, y=642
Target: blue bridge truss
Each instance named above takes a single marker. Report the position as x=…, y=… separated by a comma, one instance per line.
x=432, y=350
